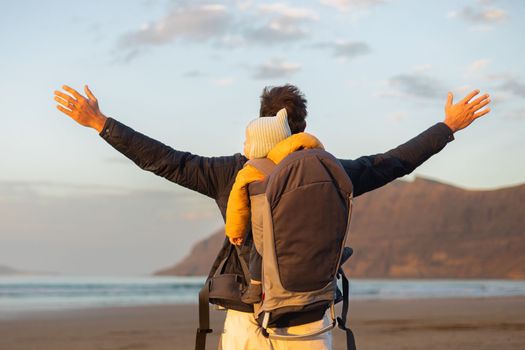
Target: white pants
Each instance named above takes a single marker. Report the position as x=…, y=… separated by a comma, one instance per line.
x=241, y=332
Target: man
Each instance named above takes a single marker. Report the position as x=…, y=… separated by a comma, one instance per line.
x=214, y=176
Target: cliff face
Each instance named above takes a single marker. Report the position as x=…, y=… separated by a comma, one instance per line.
x=421, y=229
x=428, y=229
x=200, y=259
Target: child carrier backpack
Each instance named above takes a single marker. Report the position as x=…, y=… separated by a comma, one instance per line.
x=300, y=218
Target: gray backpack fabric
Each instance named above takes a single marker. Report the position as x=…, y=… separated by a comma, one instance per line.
x=300, y=219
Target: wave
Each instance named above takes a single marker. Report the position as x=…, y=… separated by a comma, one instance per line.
x=26, y=293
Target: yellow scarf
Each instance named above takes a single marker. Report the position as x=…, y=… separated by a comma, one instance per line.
x=238, y=210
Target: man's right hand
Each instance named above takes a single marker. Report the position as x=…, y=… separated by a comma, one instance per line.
x=84, y=111
x=460, y=115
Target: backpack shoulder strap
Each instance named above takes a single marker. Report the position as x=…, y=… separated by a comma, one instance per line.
x=341, y=321
x=204, y=318
x=264, y=165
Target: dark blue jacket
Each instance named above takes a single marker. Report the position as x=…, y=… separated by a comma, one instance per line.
x=214, y=176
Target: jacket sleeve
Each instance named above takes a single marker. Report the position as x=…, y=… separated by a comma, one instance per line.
x=370, y=172
x=207, y=175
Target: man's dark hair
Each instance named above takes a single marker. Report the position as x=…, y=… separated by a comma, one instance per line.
x=274, y=98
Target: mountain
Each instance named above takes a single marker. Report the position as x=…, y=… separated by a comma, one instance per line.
x=421, y=229
x=200, y=259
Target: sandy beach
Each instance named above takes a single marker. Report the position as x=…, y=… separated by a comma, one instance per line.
x=484, y=323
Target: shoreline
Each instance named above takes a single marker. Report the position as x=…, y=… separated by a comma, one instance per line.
x=48, y=311
x=454, y=323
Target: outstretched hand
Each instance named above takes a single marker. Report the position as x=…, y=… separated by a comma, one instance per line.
x=84, y=110
x=460, y=115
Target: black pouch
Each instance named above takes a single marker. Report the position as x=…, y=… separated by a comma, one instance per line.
x=223, y=288
x=227, y=286
x=229, y=281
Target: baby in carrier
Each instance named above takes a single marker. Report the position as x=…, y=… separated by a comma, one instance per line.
x=266, y=137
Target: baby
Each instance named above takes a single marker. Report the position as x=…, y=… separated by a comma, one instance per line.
x=262, y=134
x=267, y=137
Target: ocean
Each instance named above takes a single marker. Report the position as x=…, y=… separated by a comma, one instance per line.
x=22, y=294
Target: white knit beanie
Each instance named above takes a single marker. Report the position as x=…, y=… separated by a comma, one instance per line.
x=266, y=132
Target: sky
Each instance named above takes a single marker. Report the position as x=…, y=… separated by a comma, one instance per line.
x=190, y=73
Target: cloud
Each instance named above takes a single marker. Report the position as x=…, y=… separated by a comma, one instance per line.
x=244, y=5
x=264, y=24
x=282, y=23
x=231, y=41
x=193, y=22
x=275, y=68
x=478, y=65
x=127, y=55
x=223, y=82
x=194, y=73
x=486, y=2
x=345, y=5
x=299, y=13
x=506, y=82
x=276, y=31
x=500, y=76
x=346, y=50
x=513, y=86
x=481, y=14
x=351, y=49
x=517, y=115
x=418, y=85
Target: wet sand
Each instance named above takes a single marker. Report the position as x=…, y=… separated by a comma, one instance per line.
x=484, y=323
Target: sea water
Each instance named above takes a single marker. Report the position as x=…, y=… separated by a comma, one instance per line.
x=19, y=294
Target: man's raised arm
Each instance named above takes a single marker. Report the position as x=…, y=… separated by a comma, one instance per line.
x=207, y=175
x=370, y=172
